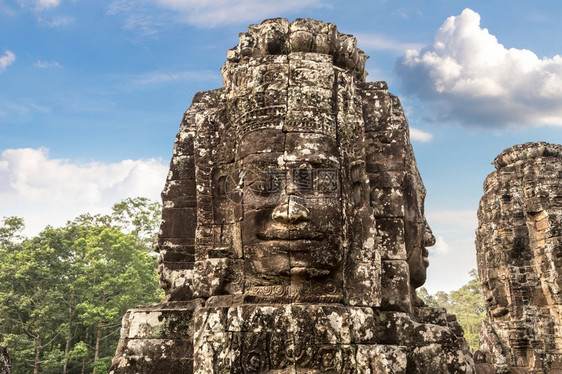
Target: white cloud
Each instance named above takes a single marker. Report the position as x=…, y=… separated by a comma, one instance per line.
x=441, y=247
x=454, y=254
x=449, y=267
x=7, y=10
x=47, y=64
x=158, y=77
x=141, y=16
x=45, y=190
x=55, y=21
x=420, y=136
x=46, y=12
x=376, y=42
x=20, y=109
x=46, y=4
x=405, y=13
x=466, y=219
x=468, y=77
x=39, y=5
x=212, y=13
x=6, y=60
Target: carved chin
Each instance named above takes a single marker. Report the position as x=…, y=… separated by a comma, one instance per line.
x=418, y=281
x=418, y=276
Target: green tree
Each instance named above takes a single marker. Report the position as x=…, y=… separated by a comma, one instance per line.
x=467, y=303
x=65, y=290
x=140, y=217
x=31, y=300
x=10, y=231
x=118, y=273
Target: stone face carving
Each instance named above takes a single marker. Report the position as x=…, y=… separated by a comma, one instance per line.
x=293, y=233
x=519, y=251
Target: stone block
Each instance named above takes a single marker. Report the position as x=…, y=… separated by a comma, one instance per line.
x=176, y=281
x=178, y=223
x=381, y=359
x=435, y=316
x=218, y=276
x=395, y=286
x=263, y=141
x=362, y=283
x=363, y=326
x=218, y=353
x=442, y=359
x=387, y=201
x=384, y=154
x=176, y=245
x=172, y=256
x=179, y=194
x=391, y=240
x=257, y=318
x=310, y=146
x=227, y=241
x=394, y=328
x=325, y=325
x=159, y=324
x=182, y=167
x=153, y=356
x=426, y=334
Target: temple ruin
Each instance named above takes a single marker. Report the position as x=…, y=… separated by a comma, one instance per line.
x=519, y=252
x=293, y=233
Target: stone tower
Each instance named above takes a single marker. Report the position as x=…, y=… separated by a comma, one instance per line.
x=293, y=233
x=520, y=259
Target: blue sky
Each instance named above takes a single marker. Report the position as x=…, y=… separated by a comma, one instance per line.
x=88, y=112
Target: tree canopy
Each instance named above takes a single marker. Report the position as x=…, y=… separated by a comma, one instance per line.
x=467, y=303
x=65, y=290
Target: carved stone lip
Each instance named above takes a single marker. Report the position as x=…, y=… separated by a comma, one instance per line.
x=291, y=235
x=294, y=245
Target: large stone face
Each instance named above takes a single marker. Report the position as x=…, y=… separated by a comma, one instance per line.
x=519, y=259
x=293, y=234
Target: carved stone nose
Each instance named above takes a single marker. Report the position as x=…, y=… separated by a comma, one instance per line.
x=428, y=237
x=290, y=211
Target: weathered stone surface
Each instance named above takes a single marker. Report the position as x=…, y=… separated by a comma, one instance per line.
x=293, y=224
x=157, y=339
x=383, y=359
x=439, y=359
x=519, y=250
x=5, y=367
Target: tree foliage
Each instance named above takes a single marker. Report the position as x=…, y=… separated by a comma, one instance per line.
x=467, y=303
x=65, y=290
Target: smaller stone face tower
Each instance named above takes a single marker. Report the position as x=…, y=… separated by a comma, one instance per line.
x=293, y=233
x=519, y=249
